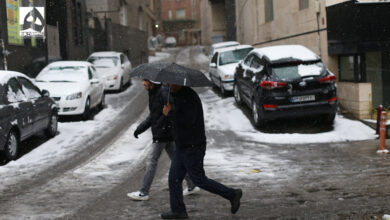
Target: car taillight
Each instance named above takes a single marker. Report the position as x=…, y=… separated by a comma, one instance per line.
x=272, y=84
x=328, y=79
x=269, y=106
x=331, y=100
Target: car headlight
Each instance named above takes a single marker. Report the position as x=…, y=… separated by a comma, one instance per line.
x=115, y=77
x=228, y=76
x=74, y=96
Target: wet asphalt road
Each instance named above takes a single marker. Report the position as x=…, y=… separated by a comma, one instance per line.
x=311, y=181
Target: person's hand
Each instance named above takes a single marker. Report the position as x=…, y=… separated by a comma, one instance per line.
x=167, y=109
x=136, y=133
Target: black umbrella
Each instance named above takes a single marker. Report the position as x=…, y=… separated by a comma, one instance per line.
x=171, y=73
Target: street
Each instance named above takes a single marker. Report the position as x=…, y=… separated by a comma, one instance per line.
x=293, y=169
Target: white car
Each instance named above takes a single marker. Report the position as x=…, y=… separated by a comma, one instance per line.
x=113, y=67
x=170, y=42
x=224, y=63
x=74, y=85
x=220, y=45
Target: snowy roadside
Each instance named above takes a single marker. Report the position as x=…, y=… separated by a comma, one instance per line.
x=221, y=114
x=159, y=56
x=72, y=138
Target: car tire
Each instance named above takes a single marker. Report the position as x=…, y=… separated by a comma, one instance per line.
x=102, y=103
x=258, y=119
x=223, y=91
x=121, y=85
x=12, y=145
x=87, y=110
x=328, y=119
x=52, y=127
x=237, y=95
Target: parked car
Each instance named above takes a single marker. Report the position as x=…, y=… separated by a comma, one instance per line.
x=285, y=81
x=223, y=65
x=170, y=42
x=25, y=110
x=222, y=45
x=37, y=65
x=113, y=67
x=74, y=85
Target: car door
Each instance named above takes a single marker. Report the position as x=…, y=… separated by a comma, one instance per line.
x=41, y=105
x=213, y=67
x=98, y=84
x=94, y=87
x=24, y=113
x=245, y=80
x=123, y=69
x=256, y=72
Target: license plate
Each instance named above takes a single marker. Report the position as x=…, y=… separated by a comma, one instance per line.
x=305, y=98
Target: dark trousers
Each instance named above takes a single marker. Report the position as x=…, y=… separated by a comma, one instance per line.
x=190, y=160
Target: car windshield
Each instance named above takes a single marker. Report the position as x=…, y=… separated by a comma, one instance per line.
x=63, y=74
x=294, y=71
x=233, y=56
x=104, y=61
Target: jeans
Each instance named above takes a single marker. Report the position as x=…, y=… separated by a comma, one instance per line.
x=151, y=167
x=190, y=160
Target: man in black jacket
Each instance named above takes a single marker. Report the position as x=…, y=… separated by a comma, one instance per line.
x=190, y=139
x=162, y=138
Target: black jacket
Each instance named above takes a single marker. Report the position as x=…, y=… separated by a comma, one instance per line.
x=187, y=119
x=161, y=125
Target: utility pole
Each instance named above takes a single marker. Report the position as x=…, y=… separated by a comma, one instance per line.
x=4, y=53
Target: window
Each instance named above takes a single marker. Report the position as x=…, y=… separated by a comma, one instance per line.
x=248, y=60
x=214, y=59
x=29, y=89
x=180, y=13
x=90, y=75
x=350, y=68
x=256, y=64
x=170, y=14
x=303, y=4
x=269, y=10
x=14, y=92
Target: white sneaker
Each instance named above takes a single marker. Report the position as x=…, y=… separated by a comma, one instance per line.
x=138, y=196
x=187, y=191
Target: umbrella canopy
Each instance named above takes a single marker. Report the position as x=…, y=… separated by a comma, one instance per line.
x=171, y=73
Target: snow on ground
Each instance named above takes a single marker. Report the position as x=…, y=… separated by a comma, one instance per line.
x=221, y=114
x=159, y=56
x=72, y=138
x=201, y=58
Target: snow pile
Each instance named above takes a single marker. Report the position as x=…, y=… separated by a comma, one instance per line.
x=159, y=56
x=201, y=58
x=222, y=114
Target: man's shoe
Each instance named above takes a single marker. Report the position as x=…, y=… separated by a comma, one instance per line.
x=189, y=191
x=174, y=215
x=235, y=202
x=138, y=196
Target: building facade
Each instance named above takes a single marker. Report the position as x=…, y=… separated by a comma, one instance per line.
x=325, y=26
x=182, y=19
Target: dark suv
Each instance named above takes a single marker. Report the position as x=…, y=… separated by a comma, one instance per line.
x=24, y=111
x=284, y=82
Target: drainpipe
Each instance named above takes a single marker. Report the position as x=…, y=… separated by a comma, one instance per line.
x=317, y=6
x=5, y=53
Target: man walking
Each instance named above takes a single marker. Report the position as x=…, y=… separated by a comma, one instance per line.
x=190, y=139
x=162, y=138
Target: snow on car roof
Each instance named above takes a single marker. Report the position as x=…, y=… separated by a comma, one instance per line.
x=224, y=49
x=225, y=44
x=6, y=75
x=286, y=53
x=70, y=63
x=105, y=54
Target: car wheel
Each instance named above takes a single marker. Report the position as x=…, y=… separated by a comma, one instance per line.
x=87, y=110
x=51, y=129
x=257, y=117
x=121, y=85
x=12, y=145
x=223, y=91
x=102, y=102
x=329, y=118
x=237, y=95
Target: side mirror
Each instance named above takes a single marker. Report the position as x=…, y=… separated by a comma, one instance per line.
x=94, y=81
x=213, y=65
x=45, y=93
x=123, y=66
